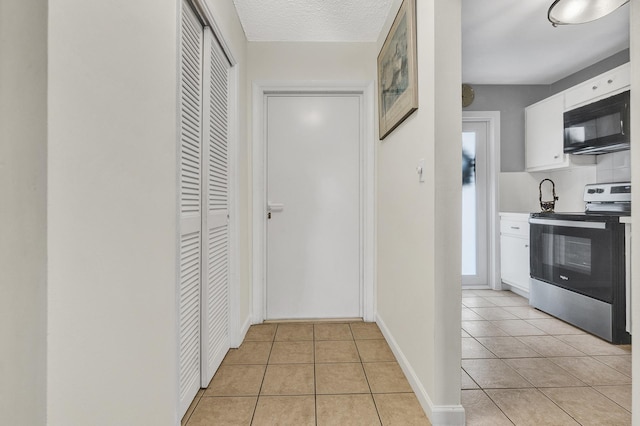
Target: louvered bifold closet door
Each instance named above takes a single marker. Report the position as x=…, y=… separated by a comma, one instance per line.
x=192, y=43
x=215, y=280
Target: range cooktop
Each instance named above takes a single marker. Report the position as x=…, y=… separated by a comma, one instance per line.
x=583, y=216
x=603, y=202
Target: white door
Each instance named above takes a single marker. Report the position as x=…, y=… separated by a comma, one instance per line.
x=192, y=42
x=474, y=203
x=204, y=211
x=313, y=190
x=215, y=204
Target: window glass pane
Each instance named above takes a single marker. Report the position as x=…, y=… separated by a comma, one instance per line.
x=469, y=233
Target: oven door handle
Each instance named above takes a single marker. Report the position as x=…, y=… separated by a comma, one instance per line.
x=569, y=223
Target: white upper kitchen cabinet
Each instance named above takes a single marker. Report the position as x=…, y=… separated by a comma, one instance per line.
x=607, y=84
x=544, y=137
x=544, y=134
x=544, y=120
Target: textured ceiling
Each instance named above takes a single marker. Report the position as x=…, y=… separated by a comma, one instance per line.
x=313, y=20
x=503, y=41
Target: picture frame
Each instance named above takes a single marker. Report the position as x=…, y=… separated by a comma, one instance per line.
x=398, y=71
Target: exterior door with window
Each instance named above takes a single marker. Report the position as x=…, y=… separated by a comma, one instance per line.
x=474, y=203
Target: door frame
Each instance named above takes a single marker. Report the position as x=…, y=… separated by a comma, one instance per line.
x=364, y=89
x=492, y=118
x=481, y=218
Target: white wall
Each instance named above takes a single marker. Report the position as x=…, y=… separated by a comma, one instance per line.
x=518, y=192
x=284, y=61
x=112, y=354
x=448, y=217
x=418, y=224
x=23, y=171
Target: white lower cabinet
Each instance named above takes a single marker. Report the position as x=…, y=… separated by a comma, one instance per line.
x=514, y=250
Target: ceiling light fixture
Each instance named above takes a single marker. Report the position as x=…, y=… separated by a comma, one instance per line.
x=566, y=12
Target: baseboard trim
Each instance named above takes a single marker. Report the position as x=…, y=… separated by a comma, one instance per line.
x=243, y=330
x=315, y=320
x=439, y=415
x=516, y=290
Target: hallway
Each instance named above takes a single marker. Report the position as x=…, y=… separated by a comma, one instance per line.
x=322, y=373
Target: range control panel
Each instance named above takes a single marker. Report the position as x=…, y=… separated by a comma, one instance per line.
x=608, y=192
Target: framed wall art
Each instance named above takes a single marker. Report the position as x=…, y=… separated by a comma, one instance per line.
x=397, y=71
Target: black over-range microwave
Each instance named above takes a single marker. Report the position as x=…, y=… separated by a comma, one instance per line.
x=599, y=127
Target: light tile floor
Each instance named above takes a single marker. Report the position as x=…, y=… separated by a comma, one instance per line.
x=521, y=366
x=309, y=374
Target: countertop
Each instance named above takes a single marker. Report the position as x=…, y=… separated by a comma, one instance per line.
x=525, y=216
x=516, y=215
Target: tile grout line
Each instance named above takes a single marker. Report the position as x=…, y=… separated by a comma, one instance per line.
x=497, y=406
x=558, y=405
x=605, y=364
x=255, y=407
x=375, y=405
x=315, y=389
x=594, y=388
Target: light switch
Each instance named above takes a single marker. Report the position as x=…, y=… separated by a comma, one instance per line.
x=420, y=170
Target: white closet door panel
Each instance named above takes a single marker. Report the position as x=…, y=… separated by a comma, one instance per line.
x=189, y=225
x=216, y=310
x=217, y=219
x=190, y=249
x=189, y=315
x=218, y=128
x=215, y=294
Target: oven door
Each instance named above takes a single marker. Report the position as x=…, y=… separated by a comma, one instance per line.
x=575, y=255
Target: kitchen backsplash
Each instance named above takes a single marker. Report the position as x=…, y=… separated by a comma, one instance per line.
x=519, y=190
x=614, y=167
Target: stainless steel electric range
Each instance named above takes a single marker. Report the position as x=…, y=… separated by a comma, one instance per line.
x=578, y=262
